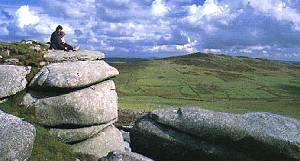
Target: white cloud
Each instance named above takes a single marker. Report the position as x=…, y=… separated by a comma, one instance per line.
x=71, y=8
x=31, y=21
x=209, y=10
x=161, y=26
x=259, y=47
x=26, y=17
x=209, y=14
x=212, y=50
x=159, y=8
x=246, y=51
x=162, y=48
x=3, y=31
x=256, y=48
x=278, y=9
x=187, y=48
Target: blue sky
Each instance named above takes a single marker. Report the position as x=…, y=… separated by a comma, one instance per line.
x=159, y=28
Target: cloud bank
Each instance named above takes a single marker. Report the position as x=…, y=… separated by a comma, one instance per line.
x=158, y=28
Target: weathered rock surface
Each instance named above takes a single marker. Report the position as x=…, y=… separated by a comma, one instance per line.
x=127, y=146
x=16, y=138
x=59, y=56
x=110, y=139
x=251, y=136
x=126, y=136
x=90, y=106
x=161, y=143
x=79, y=134
x=124, y=156
x=13, y=79
x=11, y=61
x=72, y=74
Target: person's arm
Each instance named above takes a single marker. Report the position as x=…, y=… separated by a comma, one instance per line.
x=60, y=44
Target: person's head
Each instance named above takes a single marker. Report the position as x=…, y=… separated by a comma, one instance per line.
x=62, y=34
x=59, y=28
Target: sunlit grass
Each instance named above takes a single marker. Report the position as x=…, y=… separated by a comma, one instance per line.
x=221, y=83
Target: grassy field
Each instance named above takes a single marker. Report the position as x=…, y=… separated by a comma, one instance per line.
x=217, y=82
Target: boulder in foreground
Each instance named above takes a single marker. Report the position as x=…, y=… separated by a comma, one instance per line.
x=189, y=133
x=16, y=138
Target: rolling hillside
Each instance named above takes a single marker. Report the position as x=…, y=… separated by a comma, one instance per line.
x=218, y=82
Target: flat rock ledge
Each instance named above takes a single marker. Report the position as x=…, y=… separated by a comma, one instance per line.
x=189, y=133
x=83, y=55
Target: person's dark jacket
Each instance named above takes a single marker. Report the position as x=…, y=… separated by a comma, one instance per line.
x=56, y=42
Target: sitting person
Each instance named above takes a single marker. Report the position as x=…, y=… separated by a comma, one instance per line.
x=66, y=46
x=56, y=42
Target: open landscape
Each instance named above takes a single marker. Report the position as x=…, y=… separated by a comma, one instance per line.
x=154, y=80
x=203, y=80
x=211, y=81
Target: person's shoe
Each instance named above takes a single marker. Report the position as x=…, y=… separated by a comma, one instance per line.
x=76, y=48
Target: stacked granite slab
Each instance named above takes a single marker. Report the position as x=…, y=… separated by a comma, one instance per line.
x=74, y=97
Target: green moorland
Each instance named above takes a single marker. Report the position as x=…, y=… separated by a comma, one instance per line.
x=216, y=82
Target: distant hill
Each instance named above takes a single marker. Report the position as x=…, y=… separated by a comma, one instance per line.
x=229, y=63
x=219, y=82
x=124, y=60
x=289, y=62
